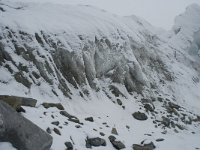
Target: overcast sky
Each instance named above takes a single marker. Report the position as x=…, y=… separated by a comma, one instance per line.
x=160, y=13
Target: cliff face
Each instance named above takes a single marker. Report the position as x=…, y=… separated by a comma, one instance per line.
x=64, y=47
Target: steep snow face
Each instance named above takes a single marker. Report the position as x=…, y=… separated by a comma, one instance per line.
x=185, y=26
x=53, y=49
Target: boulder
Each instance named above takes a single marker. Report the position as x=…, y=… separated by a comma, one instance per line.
x=114, y=131
x=89, y=119
x=57, y=105
x=119, y=102
x=69, y=145
x=56, y=131
x=116, y=144
x=172, y=105
x=149, y=107
x=165, y=121
x=71, y=117
x=21, y=132
x=140, y=116
x=56, y=123
x=149, y=146
x=17, y=102
x=96, y=142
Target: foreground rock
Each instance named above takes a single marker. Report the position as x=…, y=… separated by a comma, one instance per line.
x=140, y=116
x=116, y=144
x=17, y=102
x=22, y=133
x=96, y=142
x=149, y=146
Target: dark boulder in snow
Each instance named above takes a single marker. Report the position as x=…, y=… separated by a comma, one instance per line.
x=116, y=144
x=21, y=132
x=69, y=145
x=96, y=142
x=57, y=105
x=89, y=119
x=149, y=146
x=140, y=116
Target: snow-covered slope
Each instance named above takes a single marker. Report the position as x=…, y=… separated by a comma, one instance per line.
x=105, y=66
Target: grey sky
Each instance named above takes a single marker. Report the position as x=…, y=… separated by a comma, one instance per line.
x=160, y=13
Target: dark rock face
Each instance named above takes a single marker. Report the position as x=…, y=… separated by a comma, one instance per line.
x=22, y=133
x=149, y=146
x=57, y=105
x=140, y=116
x=95, y=142
x=69, y=145
x=116, y=144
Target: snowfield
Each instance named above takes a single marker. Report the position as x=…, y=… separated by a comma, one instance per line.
x=97, y=64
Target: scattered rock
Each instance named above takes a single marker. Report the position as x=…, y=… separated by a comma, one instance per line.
x=71, y=117
x=96, y=142
x=57, y=105
x=55, y=123
x=48, y=130
x=149, y=146
x=128, y=127
x=172, y=105
x=102, y=134
x=160, y=99
x=116, y=144
x=140, y=116
x=77, y=126
x=69, y=145
x=165, y=121
x=180, y=126
x=20, y=109
x=160, y=140
x=114, y=131
x=21, y=132
x=149, y=107
x=56, y=131
x=89, y=119
x=119, y=102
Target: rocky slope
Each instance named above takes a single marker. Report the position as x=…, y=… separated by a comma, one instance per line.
x=103, y=66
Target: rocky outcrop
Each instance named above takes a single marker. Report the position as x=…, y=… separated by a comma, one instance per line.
x=17, y=102
x=21, y=132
